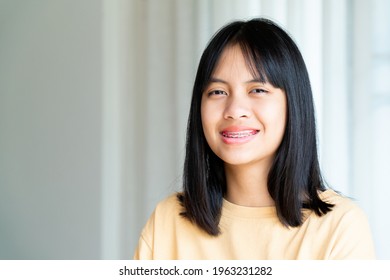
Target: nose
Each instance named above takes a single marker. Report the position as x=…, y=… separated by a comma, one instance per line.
x=237, y=107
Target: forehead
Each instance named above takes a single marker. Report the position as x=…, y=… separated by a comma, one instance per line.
x=232, y=64
x=241, y=59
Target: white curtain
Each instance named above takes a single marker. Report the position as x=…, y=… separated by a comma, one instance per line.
x=151, y=51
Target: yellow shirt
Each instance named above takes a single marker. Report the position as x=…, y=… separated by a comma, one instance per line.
x=256, y=233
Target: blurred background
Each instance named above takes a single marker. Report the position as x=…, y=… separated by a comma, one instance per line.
x=94, y=98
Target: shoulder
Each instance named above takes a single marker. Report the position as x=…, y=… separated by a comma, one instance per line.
x=349, y=228
x=345, y=216
x=165, y=215
x=159, y=228
x=169, y=205
x=342, y=204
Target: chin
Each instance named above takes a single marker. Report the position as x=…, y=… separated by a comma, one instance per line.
x=239, y=160
x=247, y=159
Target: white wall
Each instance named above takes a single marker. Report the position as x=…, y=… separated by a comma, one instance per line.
x=370, y=115
x=50, y=129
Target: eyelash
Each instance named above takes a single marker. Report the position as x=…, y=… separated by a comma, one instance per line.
x=221, y=92
x=259, y=90
x=215, y=91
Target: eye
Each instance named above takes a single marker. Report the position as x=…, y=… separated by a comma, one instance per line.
x=217, y=92
x=258, y=91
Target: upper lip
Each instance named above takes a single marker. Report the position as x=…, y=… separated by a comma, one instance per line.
x=236, y=128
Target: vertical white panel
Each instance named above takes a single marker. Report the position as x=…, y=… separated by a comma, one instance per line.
x=362, y=115
x=275, y=10
x=380, y=186
x=380, y=32
x=305, y=23
x=132, y=54
x=246, y=9
x=368, y=152
x=254, y=8
x=222, y=13
x=203, y=25
x=336, y=131
x=50, y=129
x=312, y=53
x=379, y=93
x=123, y=129
x=185, y=64
x=295, y=11
x=111, y=162
x=159, y=113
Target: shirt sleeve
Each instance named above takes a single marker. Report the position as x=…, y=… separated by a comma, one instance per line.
x=144, y=249
x=353, y=239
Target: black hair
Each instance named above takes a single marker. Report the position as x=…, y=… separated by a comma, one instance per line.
x=294, y=180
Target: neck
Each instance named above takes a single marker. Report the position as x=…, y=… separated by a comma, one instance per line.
x=247, y=185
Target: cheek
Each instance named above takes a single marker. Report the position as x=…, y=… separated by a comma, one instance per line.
x=274, y=117
x=210, y=117
x=207, y=119
x=280, y=120
x=203, y=115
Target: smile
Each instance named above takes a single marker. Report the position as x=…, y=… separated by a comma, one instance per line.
x=238, y=137
x=239, y=134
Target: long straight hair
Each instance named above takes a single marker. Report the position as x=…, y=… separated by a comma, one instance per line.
x=294, y=180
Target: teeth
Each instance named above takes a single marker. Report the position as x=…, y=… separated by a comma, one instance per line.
x=238, y=134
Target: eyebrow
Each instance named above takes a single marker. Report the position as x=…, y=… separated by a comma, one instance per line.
x=217, y=80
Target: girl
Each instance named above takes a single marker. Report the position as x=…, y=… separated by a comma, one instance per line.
x=252, y=183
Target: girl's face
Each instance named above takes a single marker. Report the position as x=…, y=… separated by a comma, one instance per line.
x=243, y=119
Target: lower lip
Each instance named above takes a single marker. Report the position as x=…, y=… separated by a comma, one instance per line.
x=238, y=140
